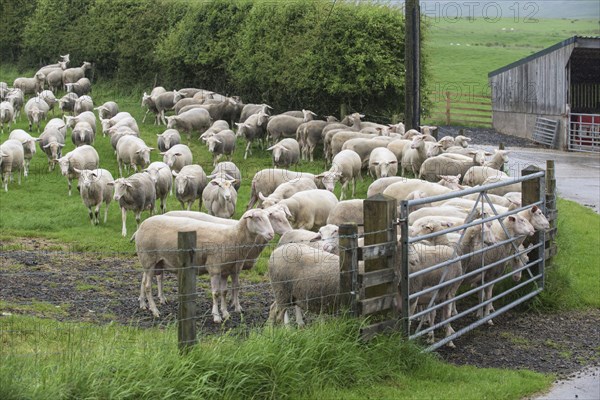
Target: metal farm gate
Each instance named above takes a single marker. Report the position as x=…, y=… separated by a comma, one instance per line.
x=584, y=132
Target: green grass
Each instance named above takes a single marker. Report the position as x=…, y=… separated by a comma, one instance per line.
x=573, y=276
x=326, y=360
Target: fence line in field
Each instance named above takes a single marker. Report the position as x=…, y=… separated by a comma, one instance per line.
x=458, y=108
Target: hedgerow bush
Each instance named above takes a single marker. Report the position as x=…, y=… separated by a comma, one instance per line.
x=290, y=54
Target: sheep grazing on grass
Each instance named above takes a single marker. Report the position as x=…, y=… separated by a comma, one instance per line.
x=49, y=98
x=148, y=102
x=194, y=120
x=82, y=104
x=345, y=168
x=164, y=102
x=94, y=190
x=67, y=103
x=83, y=157
x=267, y=180
x=136, y=193
x=190, y=182
x=82, y=134
x=220, y=198
x=254, y=127
x=36, y=110
x=123, y=117
x=82, y=87
x=160, y=173
x=221, y=143
x=227, y=170
x=156, y=239
x=309, y=209
x=72, y=75
x=285, y=126
x=28, y=143
x=12, y=159
x=450, y=164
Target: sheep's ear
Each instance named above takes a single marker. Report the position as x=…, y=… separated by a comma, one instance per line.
x=458, y=176
x=534, y=209
x=261, y=196
x=178, y=154
x=320, y=176
x=316, y=238
x=128, y=184
x=472, y=152
x=214, y=183
x=271, y=148
x=77, y=170
x=159, y=134
x=393, y=162
x=429, y=227
x=61, y=145
x=238, y=124
x=111, y=183
x=163, y=153
x=174, y=173
x=512, y=218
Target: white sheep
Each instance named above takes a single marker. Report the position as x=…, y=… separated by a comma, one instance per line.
x=12, y=159
x=83, y=103
x=413, y=158
x=379, y=185
x=136, y=193
x=107, y=110
x=286, y=190
x=156, y=239
x=190, y=183
x=31, y=85
x=228, y=170
x=221, y=143
x=220, y=197
x=450, y=164
x=36, y=110
x=82, y=134
x=345, y=168
x=160, y=173
x=7, y=114
x=132, y=152
x=72, y=75
x=28, y=143
x=83, y=157
x=168, y=139
x=267, y=180
x=347, y=212
x=51, y=142
x=382, y=163
x=309, y=209
x=286, y=152
x=177, y=157
x=94, y=190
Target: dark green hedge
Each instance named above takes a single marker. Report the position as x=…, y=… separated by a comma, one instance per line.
x=290, y=53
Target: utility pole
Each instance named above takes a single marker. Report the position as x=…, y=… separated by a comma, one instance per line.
x=412, y=42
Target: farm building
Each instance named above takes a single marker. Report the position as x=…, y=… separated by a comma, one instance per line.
x=552, y=96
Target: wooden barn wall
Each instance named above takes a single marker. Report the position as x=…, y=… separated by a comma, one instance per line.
x=537, y=87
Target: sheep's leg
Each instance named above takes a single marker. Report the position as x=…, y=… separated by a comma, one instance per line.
x=480, y=310
x=299, y=318
x=273, y=310
x=69, y=182
x=215, y=281
x=148, y=291
x=145, y=115
x=142, y=298
x=189, y=206
x=223, y=290
x=159, y=284
x=106, y=212
x=286, y=318
x=138, y=218
x=5, y=181
x=124, y=220
x=488, y=307
x=91, y=215
x=449, y=331
x=96, y=214
x=26, y=167
x=235, y=291
x=248, y=149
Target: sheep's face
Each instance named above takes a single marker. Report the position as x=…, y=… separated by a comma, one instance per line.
x=212, y=143
x=329, y=179
x=181, y=183
x=538, y=220
x=64, y=164
x=386, y=168
x=171, y=122
x=225, y=188
x=519, y=226
x=278, y=151
x=450, y=181
x=259, y=224
x=242, y=128
x=29, y=146
x=86, y=178
x=279, y=219
x=435, y=150
x=169, y=158
x=329, y=236
x=144, y=155
x=418, y=141
x=121, y=185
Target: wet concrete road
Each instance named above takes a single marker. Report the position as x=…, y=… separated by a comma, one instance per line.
x=577, y=174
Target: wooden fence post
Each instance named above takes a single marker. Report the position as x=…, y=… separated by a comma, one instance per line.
x=348, y=247
x=551, y=209
x=343, y=111
x=531, y=192
x=186, y=277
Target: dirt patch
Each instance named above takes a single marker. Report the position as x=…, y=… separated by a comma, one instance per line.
x=38, y=279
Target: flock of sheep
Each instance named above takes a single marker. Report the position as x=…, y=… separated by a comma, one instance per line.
x=299, y=206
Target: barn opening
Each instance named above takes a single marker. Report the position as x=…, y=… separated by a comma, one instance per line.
x=552, y=96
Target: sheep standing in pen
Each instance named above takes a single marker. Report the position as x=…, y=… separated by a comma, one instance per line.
x=450, y=164
x=156, y=239
x=304, y=277
x=382, y=163
x=136, y=193
x=160, y=173
x=286, y=152
x=413, y=158
x=345, y=168
x=267, y=180
x=83, y=157
x=220, y=198
x=94, y=190
x=309, y=209
x=190, y=182
x=348, y=212
x=28, y=143
x=12, y=159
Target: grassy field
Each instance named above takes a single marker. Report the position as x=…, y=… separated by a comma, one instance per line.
x=51, y=359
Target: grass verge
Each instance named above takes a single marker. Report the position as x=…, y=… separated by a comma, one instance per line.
x=47, y=359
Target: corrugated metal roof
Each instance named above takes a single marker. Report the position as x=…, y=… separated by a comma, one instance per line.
x=540, y=53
